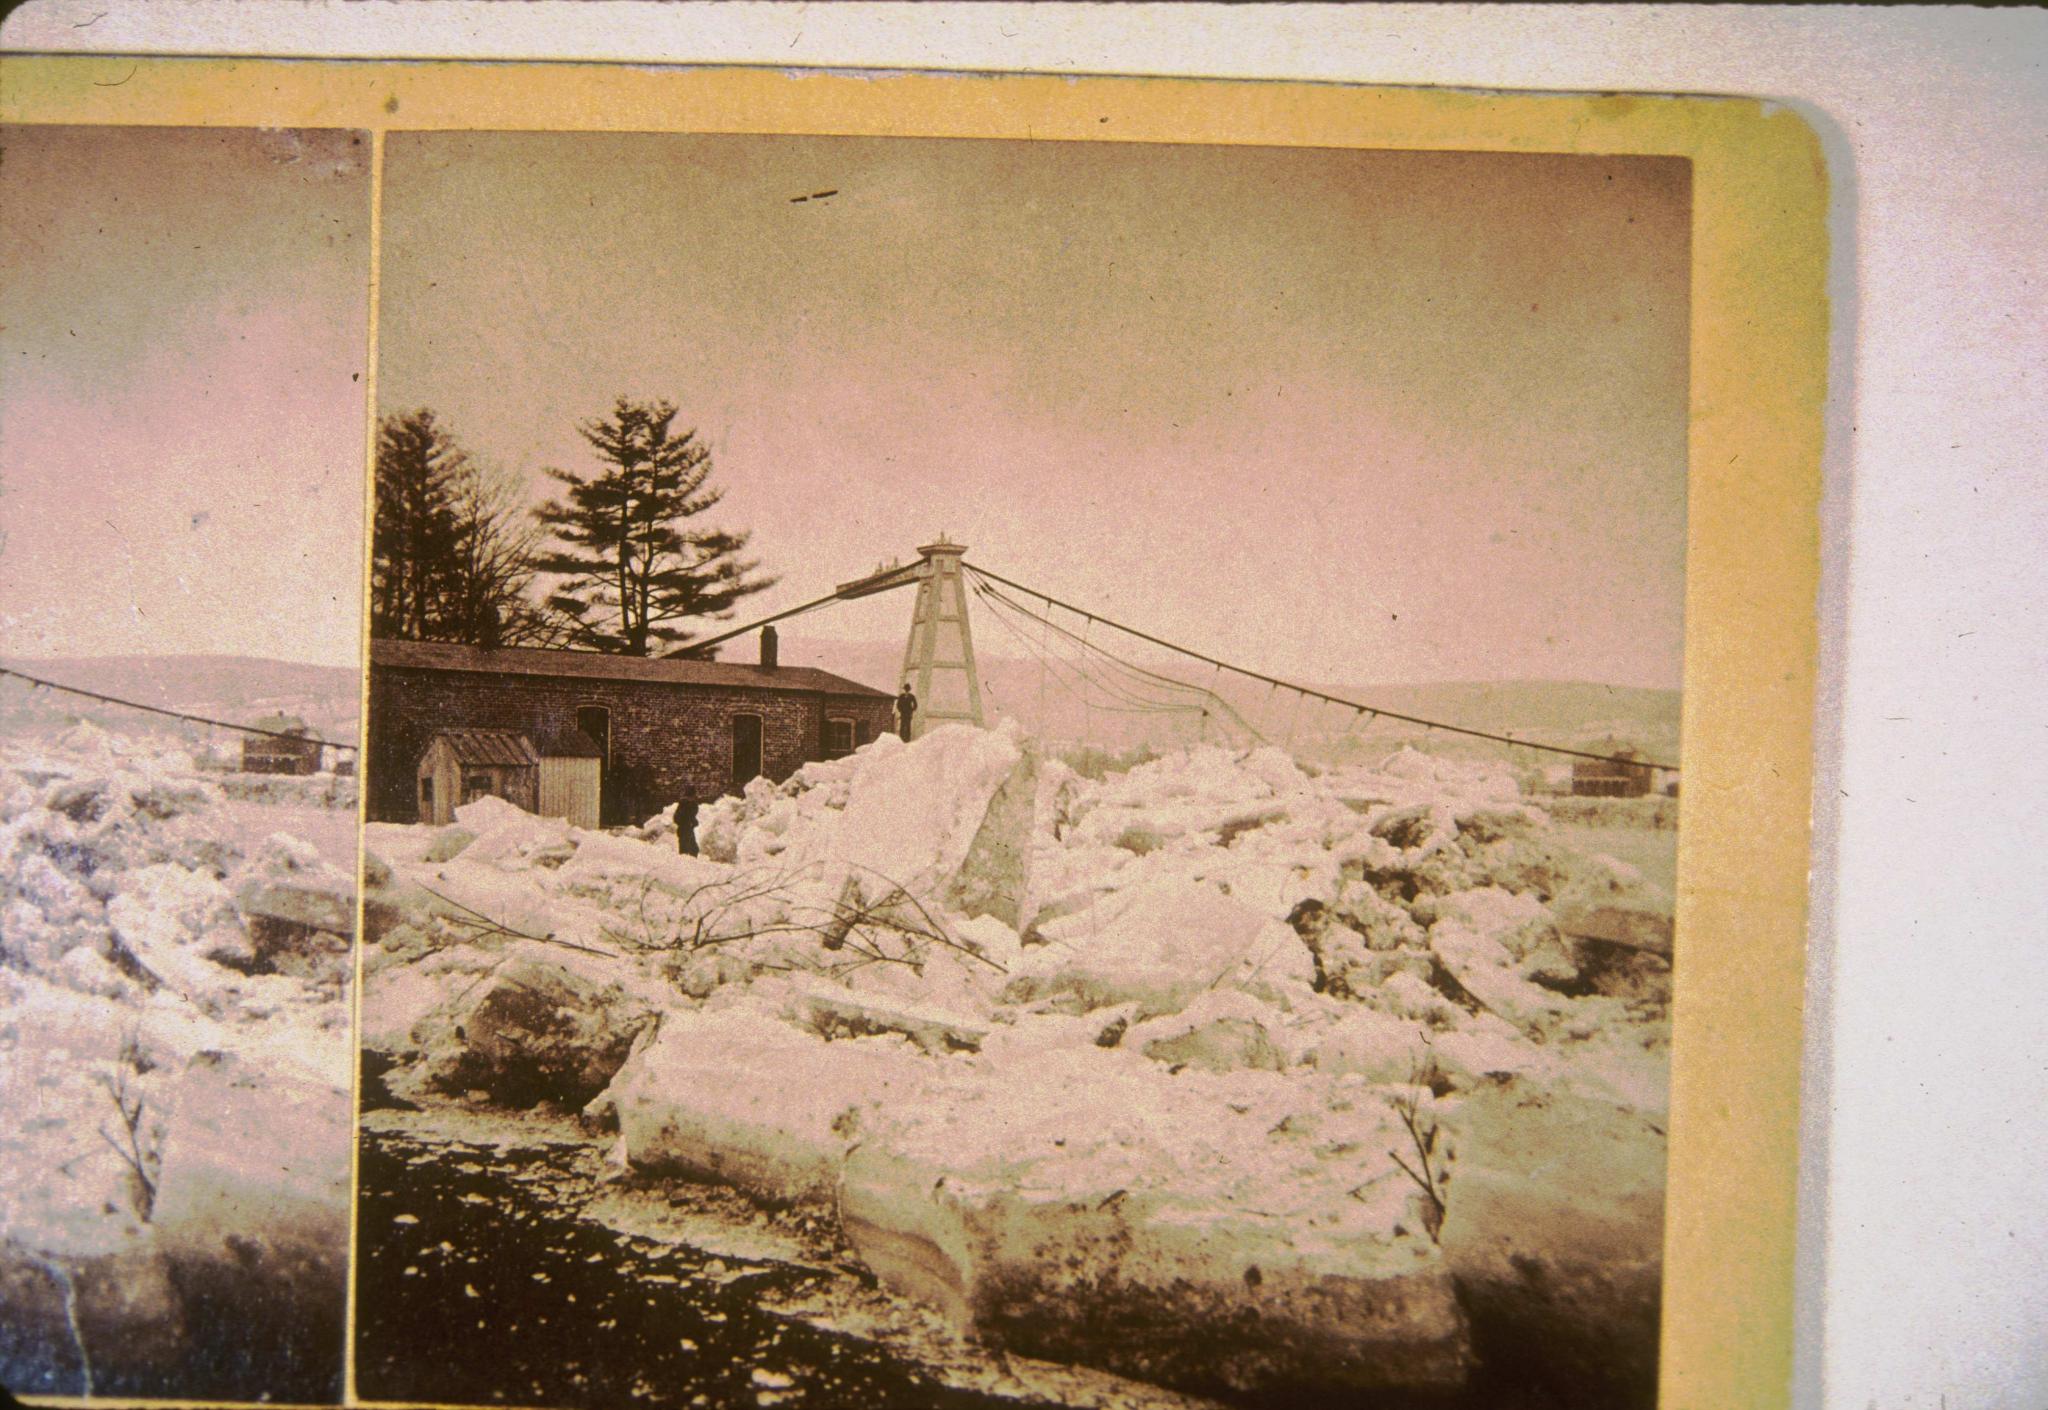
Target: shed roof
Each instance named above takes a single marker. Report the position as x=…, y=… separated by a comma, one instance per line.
x=592, y=665
x=489, y=746
x=280, y=724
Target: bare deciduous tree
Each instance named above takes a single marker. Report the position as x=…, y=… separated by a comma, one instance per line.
x=452, y=551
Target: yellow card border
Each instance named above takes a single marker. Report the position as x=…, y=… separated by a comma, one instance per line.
x=1759, y=319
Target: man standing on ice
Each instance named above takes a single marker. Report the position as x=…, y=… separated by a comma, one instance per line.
x=906, y=706
x=686, y=823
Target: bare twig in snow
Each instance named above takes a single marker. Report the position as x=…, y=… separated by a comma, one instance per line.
x=485, y=925
x=1422, y=1134
x=139, y=1144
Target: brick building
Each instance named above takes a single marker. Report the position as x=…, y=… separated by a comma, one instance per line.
x=661, y=726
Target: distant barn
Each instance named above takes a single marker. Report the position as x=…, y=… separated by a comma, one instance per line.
x=650, y=728
x=296, y=752
x=1621, y=775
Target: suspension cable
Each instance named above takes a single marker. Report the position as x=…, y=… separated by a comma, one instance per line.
x=173, y=714
x=1275, y=681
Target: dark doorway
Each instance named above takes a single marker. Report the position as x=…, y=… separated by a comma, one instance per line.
x=594, y=722
x=746, y=749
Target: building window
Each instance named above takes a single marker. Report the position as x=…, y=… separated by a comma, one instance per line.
x=427, y=795
x=838, y=738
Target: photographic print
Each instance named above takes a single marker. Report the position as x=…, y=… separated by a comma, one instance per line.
x=724, y=738
x=1021, y=772
x=183, y=326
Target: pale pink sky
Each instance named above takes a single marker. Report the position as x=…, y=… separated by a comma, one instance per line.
x=182, y=341
x=1336, y=415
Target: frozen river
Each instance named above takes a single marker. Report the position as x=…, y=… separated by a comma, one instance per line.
x=331, y=830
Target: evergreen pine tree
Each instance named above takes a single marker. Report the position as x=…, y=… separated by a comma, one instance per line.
x=413, y=538
x=633, y=572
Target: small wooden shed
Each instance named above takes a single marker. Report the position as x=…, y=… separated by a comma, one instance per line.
x=287, y=748
x=463, y=765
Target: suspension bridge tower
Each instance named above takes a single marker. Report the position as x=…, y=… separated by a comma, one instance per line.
x=938, y=660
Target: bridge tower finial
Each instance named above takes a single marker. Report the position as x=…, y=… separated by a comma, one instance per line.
x=938, y=660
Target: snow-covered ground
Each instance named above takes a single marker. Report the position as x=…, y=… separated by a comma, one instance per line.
x=329, y=827
x=1214, y=1073
x=175, y=1068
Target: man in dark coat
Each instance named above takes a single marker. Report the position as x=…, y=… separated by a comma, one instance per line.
x=906, y=706
x=686, y=824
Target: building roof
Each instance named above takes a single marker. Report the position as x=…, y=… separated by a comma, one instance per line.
x=280, y=724
x=1620, y=756
x=592, y=665
x=489, y=746
x=569, y=744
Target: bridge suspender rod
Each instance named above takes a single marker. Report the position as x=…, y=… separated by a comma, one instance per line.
x=1320, y=695
x=1044, y=668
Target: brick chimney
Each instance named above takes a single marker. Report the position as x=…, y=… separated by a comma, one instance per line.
x=768, y=649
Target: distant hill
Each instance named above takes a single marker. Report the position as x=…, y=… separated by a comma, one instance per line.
x=1558, y=711
x=1575, y=714
x=233, y=688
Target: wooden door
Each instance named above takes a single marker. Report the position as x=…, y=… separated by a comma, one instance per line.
x=569, y=789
